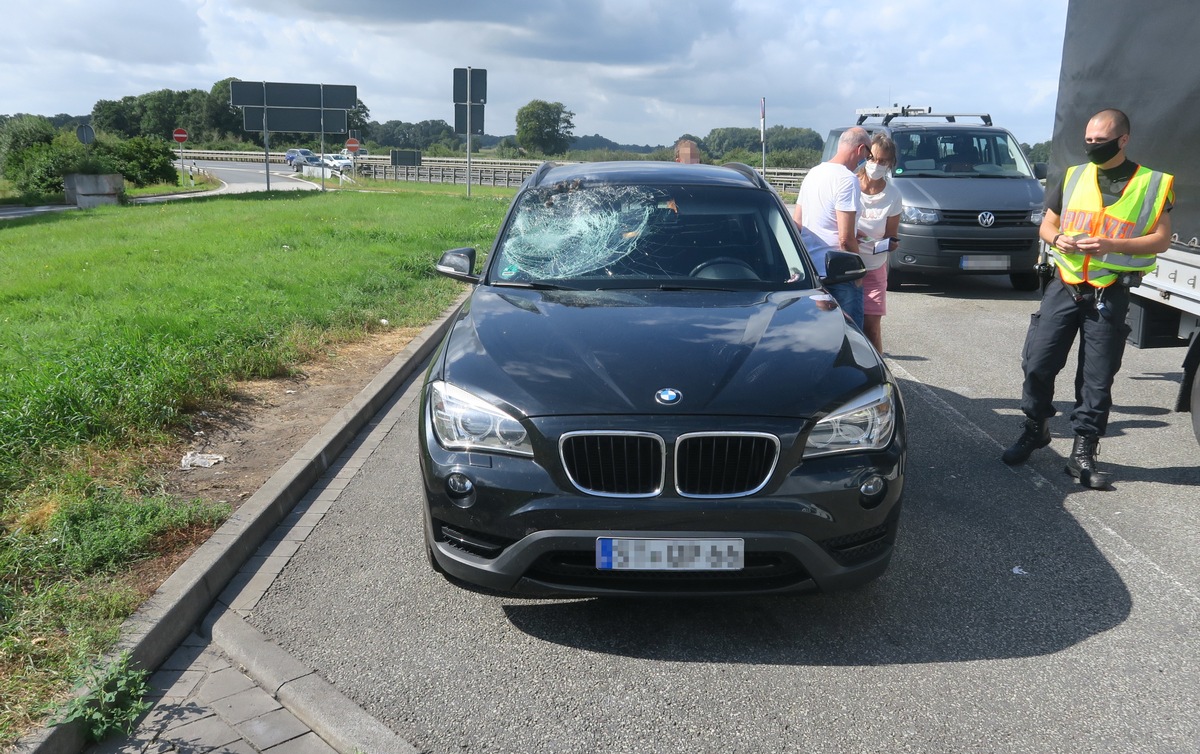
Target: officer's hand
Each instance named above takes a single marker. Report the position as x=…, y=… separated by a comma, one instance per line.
x=1090, y=245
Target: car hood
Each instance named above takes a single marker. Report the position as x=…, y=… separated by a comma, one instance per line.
x=556, y=353
x=967, y=193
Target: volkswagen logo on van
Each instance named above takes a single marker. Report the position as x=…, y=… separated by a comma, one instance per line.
x=987, y=219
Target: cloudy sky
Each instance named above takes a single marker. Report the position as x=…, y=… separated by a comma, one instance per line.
x=633, y=71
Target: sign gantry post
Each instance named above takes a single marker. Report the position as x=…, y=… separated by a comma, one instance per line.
x=293, y=108
x=470, y=95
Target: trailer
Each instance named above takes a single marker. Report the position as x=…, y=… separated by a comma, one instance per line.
x=1142, y=58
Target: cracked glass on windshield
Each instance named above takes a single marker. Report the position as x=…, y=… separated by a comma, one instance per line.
x=620, y=236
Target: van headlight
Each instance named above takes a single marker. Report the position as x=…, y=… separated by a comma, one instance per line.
x=919, y=216
x=865, y=423
x=463, y=421
x=1036, y=215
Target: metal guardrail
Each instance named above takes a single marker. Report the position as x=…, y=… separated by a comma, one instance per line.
x=484, y=172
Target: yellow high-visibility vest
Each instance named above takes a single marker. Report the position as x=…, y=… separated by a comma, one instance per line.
x=1134, y=214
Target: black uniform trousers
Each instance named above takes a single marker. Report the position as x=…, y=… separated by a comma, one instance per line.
x=1048, y=342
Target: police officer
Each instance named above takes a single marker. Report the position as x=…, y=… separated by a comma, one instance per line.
x=1104, y=224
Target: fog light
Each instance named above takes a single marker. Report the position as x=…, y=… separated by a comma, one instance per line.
x=459, y=485
x=872, y=487
x=908, y=259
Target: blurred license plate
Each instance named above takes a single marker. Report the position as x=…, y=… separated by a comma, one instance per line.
x=985, y=262
x=630, y=554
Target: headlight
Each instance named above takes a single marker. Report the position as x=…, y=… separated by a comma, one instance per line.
x=865, y=423
x=463, y=421
x=1035, y=216
x=919, y=216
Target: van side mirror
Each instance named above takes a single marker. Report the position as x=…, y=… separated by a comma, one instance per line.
x=842, y=267
x=458, y=264
x=1040, y=170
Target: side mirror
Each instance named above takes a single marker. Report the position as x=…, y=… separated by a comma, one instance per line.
x=458, y=264
x=842, y=267
x=1040, y=170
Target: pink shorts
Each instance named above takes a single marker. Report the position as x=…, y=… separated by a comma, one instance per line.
x=875, y=292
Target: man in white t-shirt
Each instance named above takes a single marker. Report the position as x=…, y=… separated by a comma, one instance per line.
x=829, y=204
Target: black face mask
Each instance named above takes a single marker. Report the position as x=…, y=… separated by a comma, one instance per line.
x=1103, y=151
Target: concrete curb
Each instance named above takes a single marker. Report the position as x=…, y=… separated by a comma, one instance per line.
x=330, y=714
x=159, y=626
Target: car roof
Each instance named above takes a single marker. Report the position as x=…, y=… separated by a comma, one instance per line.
x=649, y=171
x=900, y=125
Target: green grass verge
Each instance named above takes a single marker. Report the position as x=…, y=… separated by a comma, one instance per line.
x=118, y=321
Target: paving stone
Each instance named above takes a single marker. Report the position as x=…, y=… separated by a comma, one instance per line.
x=309, y=743
x=175, y=684
x=168, y=714
x=237, y=747
x=221, y=684
x=201, y=735
x=245, y=705
x=272, y=729
x=182, y=658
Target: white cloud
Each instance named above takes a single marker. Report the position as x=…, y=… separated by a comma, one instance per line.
x=632, y=72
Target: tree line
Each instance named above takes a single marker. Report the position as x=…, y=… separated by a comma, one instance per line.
x=542, y=128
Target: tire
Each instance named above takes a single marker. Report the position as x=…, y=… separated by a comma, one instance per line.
x=1025, y=281
x=1195, y=404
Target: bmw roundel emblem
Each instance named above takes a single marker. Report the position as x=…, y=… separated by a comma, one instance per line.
x=668, y=396
x=986, y=219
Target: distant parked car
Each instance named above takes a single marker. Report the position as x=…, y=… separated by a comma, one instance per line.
x=361, y=153
x=300, y=160
x=290, y=156
x=338, y=162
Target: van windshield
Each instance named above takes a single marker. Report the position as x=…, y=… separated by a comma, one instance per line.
x=958, y=153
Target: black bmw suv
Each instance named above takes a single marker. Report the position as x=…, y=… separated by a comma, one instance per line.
x=648, y=391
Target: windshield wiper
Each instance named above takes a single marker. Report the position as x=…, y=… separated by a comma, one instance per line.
x=693, y=287
x=533, y=285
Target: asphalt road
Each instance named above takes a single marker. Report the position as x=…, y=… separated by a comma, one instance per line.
x=1022, y=613
x=241, y=177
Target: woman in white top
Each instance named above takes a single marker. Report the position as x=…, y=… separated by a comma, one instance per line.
x=878, y=222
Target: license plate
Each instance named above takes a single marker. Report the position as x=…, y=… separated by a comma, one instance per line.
x=985, y=262
x=632, y=554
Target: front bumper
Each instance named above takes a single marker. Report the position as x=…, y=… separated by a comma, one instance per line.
x=961, y=249
x=526, y=530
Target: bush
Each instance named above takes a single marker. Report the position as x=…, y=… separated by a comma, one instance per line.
x=16, y=136
x=143, y=161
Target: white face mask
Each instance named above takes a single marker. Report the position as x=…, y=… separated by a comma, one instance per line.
x=876, y=170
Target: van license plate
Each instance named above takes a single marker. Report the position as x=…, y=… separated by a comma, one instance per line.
x=985, y=262
x=632, y=554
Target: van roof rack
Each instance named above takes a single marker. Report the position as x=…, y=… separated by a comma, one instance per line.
x=913, y=111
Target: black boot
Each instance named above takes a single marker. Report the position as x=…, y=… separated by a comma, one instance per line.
x=1036, y=435
x=1082, y=463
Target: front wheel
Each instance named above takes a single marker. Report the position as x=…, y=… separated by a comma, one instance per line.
x=1195, y=404
x=1025, y=281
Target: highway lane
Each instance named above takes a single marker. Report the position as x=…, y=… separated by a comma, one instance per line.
x=1021, y=612
x=242, y=177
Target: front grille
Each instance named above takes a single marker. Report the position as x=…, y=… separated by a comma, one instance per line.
x=987, y=246
x=1004, y=218
x=763, y=571
x=627, y=464
x=710, y=464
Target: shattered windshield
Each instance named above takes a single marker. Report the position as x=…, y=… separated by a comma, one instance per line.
x=610, y=236
x=985, y=153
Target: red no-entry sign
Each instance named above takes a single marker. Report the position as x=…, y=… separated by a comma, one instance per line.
x=180, y=135
x=352, y=145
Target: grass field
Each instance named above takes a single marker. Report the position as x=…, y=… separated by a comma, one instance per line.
x=117, y=322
